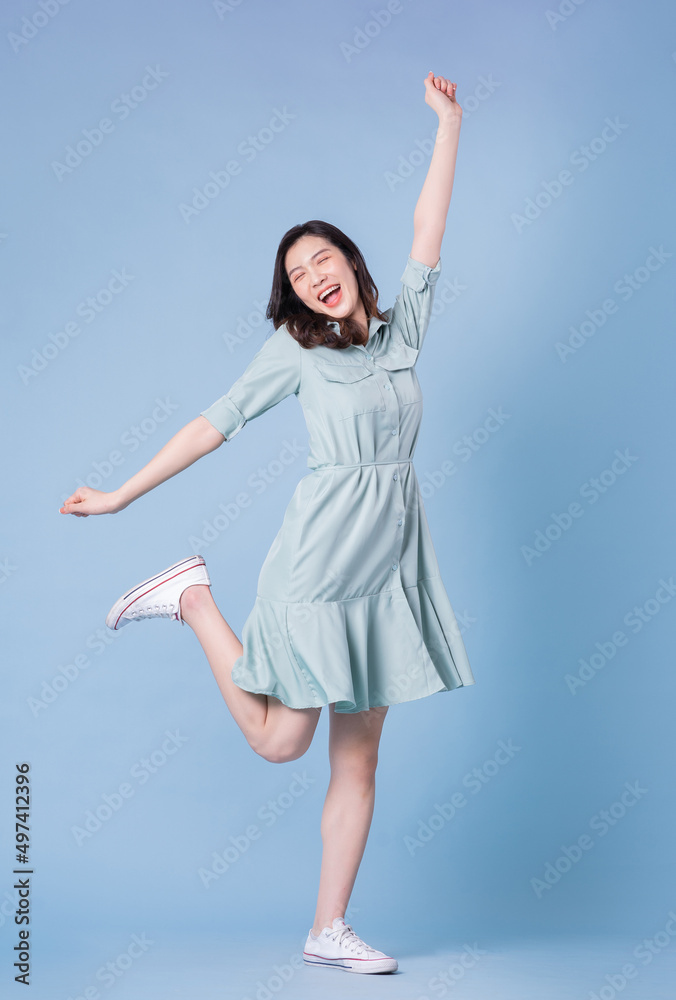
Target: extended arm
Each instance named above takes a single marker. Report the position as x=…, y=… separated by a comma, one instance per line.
x=196, y=439
x=429, y=218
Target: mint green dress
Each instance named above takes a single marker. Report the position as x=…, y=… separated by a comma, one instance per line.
x=350, y=606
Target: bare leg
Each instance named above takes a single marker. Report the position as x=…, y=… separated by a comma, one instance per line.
x=275, y=731
x=348, y=809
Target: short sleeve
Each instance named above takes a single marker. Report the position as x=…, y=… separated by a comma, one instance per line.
x=412, y=308
x=272, y=374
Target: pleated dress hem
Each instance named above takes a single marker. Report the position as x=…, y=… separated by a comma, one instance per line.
x=353, y=709
x=312, y=654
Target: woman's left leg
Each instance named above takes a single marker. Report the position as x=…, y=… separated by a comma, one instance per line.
x=346, y=819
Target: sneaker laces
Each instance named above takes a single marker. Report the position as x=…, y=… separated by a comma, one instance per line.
x=346, y=937
x=156, y=610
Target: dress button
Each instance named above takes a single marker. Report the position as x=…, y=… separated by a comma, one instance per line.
x=388, y=387
x=400, y=521
x=368, y=357
x=394, y=432
x=394, y=565
x=395, y=476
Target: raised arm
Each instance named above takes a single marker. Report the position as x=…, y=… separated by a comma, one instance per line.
x=196, y=439
x=429, y=218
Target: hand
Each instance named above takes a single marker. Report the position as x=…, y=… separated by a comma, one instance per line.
x=440, y=95
x=85, y=501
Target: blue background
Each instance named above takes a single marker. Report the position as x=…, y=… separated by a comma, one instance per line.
x=538, y=91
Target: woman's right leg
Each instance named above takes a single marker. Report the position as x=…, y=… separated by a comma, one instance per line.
x=275, y=731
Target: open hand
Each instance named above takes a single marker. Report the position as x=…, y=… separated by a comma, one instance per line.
x=440, y=95
x=85, y=501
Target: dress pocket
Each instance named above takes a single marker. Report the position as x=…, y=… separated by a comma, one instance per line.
x=400, y=361
x=350, y=389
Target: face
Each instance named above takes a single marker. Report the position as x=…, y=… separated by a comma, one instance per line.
x=314, y=265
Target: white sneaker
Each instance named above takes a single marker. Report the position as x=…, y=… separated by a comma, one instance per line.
x=338, y=946
x=160, y=595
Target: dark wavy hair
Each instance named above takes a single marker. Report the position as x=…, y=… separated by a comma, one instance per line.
x=307, y=327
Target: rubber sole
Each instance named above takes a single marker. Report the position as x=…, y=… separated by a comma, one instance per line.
x=367, y=967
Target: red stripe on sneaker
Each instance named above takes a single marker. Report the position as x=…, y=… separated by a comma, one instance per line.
x=150, y=590
x=194, y=560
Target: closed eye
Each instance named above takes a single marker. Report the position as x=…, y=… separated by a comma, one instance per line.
x=298, y=276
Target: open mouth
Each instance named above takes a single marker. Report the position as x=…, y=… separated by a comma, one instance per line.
x=331, y=296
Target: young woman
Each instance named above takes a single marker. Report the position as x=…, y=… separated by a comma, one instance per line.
x=350, y=611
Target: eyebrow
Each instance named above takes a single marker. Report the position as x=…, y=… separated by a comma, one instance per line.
x=299, y=266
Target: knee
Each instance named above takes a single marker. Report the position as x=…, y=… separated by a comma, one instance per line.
x=278, y=752
x=357, y=768
x=195, y=596
x=367, y=767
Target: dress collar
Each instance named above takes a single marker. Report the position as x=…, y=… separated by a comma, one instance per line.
x=374, y=323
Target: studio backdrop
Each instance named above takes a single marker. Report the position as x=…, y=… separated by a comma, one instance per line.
x=154, y=155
